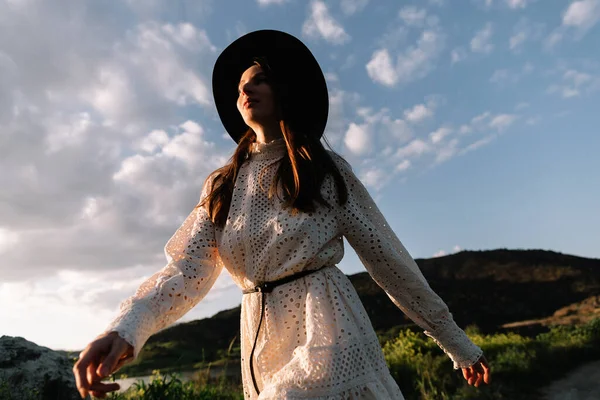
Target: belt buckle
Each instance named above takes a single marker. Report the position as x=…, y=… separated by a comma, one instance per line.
x=264, y=287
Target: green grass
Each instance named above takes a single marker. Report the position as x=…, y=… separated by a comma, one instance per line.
x=520, y=365
x=171, y=387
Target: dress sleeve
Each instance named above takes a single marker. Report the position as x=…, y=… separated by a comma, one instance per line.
x=193, y=266
x=394, y=270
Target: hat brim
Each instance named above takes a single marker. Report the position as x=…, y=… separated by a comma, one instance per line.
x=293, y=63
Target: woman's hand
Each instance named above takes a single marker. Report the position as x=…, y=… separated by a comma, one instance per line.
x=478, y=372
x=99, y=359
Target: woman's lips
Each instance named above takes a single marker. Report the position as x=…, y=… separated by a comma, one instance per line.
x=249, y=103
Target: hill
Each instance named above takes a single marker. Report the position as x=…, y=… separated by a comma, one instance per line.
x=490, y=289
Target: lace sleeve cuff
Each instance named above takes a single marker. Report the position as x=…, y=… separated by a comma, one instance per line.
x=457, y=345
x=135, y=324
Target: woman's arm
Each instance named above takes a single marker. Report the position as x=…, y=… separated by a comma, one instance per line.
x=394, y=270
x=193, y=266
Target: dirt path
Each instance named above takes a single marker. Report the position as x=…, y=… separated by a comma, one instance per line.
x=582, y=383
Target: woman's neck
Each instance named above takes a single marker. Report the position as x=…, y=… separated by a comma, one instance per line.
x=267, y=133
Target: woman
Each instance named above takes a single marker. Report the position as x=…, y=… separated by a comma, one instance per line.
x=275, y=217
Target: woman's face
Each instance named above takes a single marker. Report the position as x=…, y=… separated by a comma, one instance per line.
x=255, y=101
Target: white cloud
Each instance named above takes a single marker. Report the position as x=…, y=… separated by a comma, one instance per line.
x=112, y=93
x=264, y=3
x=578, y=19
x=458, y=54
x=381, y=68
x=553, y=39
x=413, y=16
x=499, y=76
x=465, y=129
x=395, y=128
x=440, y=253
x=582, y=14
x=71, y=133
x=342, y=106
x=577, y=78
x=517, y=40
x=574, y=83
x=414, y=149
x=484, y=4
x=350, y=7
x=418, y=113
x=85, y=103
x=7, y=239
x=528, y=68
x=390, y=67
x=481, y=41
x=502, y=121
x=439, y=135
x=446, y=151
x=154, y=140
x=502, y=76
x=479, y=143
x=320, y=24
x=375, y=177
x=414, y=63
x=516, y=4
x=358, y=139
x=403, y=166
x=487, y=121
x=377, y=131
x=74, y=306
x=165, y=68
x=479, y=119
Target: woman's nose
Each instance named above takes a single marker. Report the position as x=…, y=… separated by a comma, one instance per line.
x=246, y=88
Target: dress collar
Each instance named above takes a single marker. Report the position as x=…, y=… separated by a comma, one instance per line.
x=273, y=149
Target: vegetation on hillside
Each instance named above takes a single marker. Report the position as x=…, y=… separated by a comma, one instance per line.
x=521, y=366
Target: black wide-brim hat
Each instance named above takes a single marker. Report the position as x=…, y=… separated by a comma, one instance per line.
x=304, y=97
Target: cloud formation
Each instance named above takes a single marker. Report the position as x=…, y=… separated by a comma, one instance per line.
x=390, y=68
x=481, y=41
x=321, y=25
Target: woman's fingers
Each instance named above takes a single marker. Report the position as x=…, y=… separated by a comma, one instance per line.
x=107, y=366
x=99, y=389
x=80, y=371
x=487, y=376
x=466, y=373
x=479, y=377
x=92, y=375
x=478, y=372
x=98, y=395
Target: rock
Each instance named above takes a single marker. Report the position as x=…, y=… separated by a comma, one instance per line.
x=32, y=372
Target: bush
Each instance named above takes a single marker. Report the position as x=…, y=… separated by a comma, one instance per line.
x=520, y=365
x=171, y=387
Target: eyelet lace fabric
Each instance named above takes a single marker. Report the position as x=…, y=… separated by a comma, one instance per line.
x=316, y=340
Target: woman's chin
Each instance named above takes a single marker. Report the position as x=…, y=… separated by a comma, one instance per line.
x=257, y=118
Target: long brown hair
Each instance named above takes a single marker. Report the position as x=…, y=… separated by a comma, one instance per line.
x=301, y=171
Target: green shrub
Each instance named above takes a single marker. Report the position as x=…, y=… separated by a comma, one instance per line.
x=171, y=387
x=520, y=365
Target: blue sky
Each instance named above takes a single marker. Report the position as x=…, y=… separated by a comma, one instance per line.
x=473, y=124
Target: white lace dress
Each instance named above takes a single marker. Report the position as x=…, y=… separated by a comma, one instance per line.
x=316, y=340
